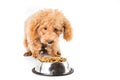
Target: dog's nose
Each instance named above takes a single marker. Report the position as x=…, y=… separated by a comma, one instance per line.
x=50, y=42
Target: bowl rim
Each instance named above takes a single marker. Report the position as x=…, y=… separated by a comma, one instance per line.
x=38, y=73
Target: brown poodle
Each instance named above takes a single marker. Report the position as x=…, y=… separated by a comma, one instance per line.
x=42, y=31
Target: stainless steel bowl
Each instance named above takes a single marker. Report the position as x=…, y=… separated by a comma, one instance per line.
x=52, y=69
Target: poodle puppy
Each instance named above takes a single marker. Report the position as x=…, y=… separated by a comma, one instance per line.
x=42, y=31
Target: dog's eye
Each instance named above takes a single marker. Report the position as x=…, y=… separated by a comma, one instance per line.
x=45, y=28
x=55, y=30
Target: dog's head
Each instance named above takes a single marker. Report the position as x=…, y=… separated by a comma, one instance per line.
x=50, y=25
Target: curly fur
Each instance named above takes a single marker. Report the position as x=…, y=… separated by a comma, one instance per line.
x=43, y=28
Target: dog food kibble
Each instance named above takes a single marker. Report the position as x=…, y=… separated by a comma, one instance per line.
x=52, y=59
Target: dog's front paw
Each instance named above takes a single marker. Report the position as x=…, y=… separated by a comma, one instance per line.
x=35, y=54
x=58, y=54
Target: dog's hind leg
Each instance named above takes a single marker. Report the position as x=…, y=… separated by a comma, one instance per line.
x=28, y=53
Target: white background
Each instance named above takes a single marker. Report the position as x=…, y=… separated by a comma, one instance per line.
x=94, y=52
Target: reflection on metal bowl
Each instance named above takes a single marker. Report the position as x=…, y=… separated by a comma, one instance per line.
x=52, y=69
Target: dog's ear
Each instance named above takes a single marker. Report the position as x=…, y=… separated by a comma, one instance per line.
x=37, y=26
x=32, y=29
x=67, y=34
